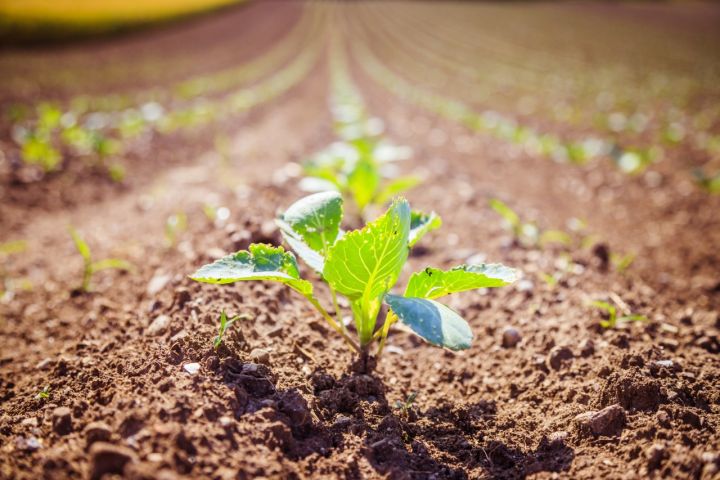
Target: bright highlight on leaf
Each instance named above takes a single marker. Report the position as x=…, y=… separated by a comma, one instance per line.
x=433, y=321
x=435, y=283
x=316, y=219
x=312, y=225
x=261, y=262
x=422, y=223
x=363, y=265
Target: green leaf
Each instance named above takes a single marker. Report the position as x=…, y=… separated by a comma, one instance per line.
x=363, y=182
x=555, y=236
x=225, y=323
x=632, y=318
x=82, y=247
x=261, y=262
x=13, y=246
x=610, y=310
x=110, y=263
x=435, y=283
x=506, y=212
x=433, y=321
x=396, y=187
x=365, y=264
x=309, y=256
x=422, y=223
x=316, y=219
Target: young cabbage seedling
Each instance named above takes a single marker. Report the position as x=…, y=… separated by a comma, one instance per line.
x=358, y=170
x=90, y=266
x=613, y=319
x=363, y=265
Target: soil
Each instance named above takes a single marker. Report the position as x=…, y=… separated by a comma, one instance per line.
x=135, y=389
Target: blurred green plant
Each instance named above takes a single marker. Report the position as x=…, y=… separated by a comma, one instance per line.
x=91, y=267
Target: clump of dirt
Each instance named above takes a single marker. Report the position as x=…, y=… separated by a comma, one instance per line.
x=631, y=389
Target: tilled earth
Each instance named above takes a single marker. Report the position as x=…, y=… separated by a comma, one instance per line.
x=544, y=392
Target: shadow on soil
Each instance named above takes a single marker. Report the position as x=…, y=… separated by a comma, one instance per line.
x=444, y=442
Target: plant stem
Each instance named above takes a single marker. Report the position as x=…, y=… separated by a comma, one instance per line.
x=87, y=276
x=338, y=317
x=390, y=318
x=334, y=324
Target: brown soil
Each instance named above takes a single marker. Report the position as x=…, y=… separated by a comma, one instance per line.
x=282, y=398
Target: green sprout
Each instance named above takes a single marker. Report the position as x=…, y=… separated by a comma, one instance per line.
x=210, y=211
x=117, y=172
x=37, y=144
x=549, y=279
x=613, y=320
x=226, y=323
x=174, y=226
x=12, y=247
x=709, y=183
x=405, y=406
x=37, y=149
x=526, y=233
x=622, y=262
x=363, y=265
x=91, y=267
x=44, y=394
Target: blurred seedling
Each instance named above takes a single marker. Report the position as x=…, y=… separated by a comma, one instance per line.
x=526, y=233
x=550, y=280
x=710, y=184
x=7, y=284
x=223, y=149
x=117, y=172
x=358, y=169
x=37, y=144
x=363, y=265
x=613, y=320
x=216, y=215
x=634, y=161
x=91, y=267
x=226, y=323
x=405, y=406
x=12, y=247
x=621, y=262
x=44, y=394
x=175, y=225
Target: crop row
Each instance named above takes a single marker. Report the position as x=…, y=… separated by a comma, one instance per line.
x=105, y=126
x=521, y=91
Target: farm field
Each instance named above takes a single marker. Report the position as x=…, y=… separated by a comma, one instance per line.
x=571, y=151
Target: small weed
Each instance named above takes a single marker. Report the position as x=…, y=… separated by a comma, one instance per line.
x=91, y=267
x=612, y=313
x=405, y=406
x=226, y=323
x=174, y=226
x=44, y=394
